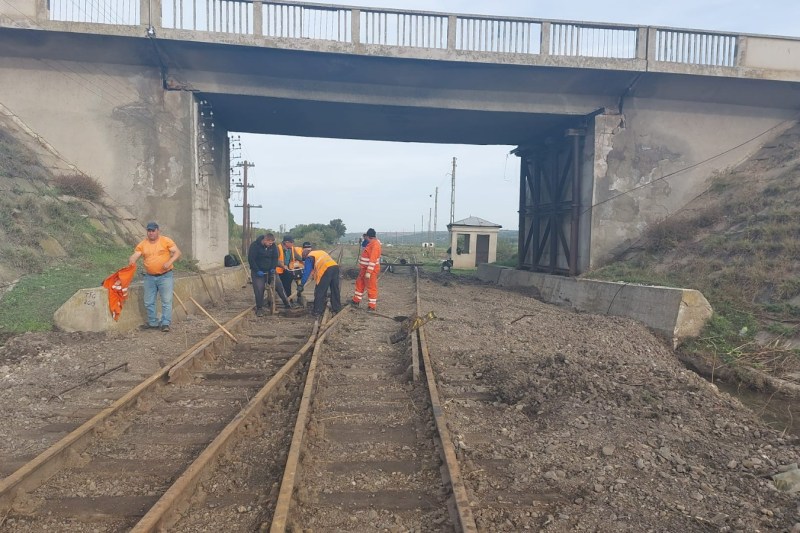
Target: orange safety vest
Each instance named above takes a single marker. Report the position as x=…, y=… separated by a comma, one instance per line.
x=117, y=285
x=322, y=261
x=295, y=262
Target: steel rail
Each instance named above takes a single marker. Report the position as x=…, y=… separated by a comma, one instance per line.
x=283, y=505
x=463, y=510
x=32, y=474
x=168, y=509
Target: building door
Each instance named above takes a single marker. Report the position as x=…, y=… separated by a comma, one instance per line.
x=482, y=250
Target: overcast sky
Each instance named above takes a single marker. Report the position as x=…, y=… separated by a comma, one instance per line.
x=391, y=186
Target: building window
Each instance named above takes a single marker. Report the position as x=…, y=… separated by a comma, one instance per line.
x=462, y=243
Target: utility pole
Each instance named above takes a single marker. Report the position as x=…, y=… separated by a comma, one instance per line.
x=430, y=209
x=251, y=225
x=453, y=193
x=435, y=212
x=245, y=206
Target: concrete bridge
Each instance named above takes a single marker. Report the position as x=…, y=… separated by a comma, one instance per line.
x=142, y=93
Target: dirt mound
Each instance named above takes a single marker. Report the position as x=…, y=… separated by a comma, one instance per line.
x=598, y=412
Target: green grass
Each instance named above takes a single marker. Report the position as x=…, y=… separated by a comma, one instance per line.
x=464, y=272
x=32, y=302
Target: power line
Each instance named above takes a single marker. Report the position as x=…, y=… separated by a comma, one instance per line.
x=705, y=191
x=704, y=161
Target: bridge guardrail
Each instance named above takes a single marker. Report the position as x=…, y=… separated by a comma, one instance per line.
x=696, y=48
x=663, y=49
x=123, y=12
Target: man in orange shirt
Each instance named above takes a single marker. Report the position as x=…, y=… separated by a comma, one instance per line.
x=159, y=253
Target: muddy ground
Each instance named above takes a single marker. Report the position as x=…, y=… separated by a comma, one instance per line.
x=593, y=412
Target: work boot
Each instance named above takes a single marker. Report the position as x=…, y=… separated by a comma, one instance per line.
x=145, y=327
x=354, y=303
x=259, y=312
x=165, y=328
x=371, y=309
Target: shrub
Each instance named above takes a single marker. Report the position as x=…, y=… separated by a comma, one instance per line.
x=667, y=234
x=80, y=186
x=23, y=258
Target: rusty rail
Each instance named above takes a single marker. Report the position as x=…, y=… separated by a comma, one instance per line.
x=31, y=475
x=283, y=505
x=167, y=509
x=463, y=510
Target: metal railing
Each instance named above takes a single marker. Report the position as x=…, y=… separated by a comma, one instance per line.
x=479, y=34
x=307, y=22
x=696, y=48
x=222, y=16
x=584, y=40
x=124, y=12
x=411, y=29
x=394, y=28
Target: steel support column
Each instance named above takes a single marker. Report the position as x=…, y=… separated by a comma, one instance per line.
x=549, y=204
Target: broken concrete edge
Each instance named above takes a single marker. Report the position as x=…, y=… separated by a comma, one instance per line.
x=87, y=309
x=678, y=314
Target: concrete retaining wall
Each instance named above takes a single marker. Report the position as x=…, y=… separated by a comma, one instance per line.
x=87, y=310
x=676, y=313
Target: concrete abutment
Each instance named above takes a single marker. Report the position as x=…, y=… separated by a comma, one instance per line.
x=153, y=151
x=87, y=309
x=677, y=314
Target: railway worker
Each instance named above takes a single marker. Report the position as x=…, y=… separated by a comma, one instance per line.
x=325, y=271
x=159, y=253
x=369, y=268
x=263, y=259
x=290, y=264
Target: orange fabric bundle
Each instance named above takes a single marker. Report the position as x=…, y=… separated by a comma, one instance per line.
x=117, y=285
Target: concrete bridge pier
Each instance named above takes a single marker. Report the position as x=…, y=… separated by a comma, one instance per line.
x=162, y=154
x=588, y=191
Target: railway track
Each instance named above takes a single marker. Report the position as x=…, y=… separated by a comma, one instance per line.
x=376, y=454
x=272, y=431
x=107, y=473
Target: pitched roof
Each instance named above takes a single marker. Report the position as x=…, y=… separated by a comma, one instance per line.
x=475, y=221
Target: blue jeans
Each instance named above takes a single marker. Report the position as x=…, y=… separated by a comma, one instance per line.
x=161, y=285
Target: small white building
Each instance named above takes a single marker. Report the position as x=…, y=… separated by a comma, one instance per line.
x=473, y=241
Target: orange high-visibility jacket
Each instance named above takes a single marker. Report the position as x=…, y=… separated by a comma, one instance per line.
x=295, y=262
x=117, y=285
x=322, y=262
x=371, y=256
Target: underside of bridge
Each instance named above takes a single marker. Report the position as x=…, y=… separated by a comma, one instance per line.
x=585, y=136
